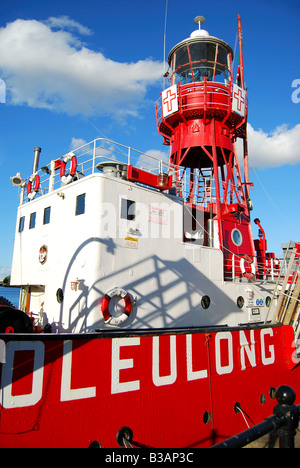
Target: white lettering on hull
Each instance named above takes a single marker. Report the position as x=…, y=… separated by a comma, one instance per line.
x=159, y=380
x=226, y=359
x=8, y=400
x=247, y=349
x=224, y=369
x=192, y=375
x=118, y=364
x=68, y=394
x=265, y=359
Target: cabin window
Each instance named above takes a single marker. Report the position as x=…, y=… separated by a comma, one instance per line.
x=47, y=213
x=128, y=209
x=80, y=204
x=22, y=224
x=32, y=221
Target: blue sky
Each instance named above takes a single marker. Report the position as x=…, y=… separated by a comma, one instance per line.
x=77, y=70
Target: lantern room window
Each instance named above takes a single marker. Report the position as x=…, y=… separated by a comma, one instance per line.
x=195, y=61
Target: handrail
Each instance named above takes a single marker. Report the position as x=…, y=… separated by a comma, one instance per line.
x=285, y=419
x=273, y=269
x=91, y=154
x=199, y=97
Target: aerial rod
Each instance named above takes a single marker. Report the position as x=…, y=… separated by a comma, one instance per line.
x=241, y=64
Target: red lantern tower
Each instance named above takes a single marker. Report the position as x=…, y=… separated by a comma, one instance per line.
x=200, y=116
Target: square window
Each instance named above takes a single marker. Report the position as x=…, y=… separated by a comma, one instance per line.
x=32, y=221
x=80, y=204
x=47, y=213
x=22, y=224
x=128, y=209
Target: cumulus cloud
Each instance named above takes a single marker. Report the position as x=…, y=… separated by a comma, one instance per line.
x=274, y=149
x=64, y=22
x=77, y=143
x=46, y=65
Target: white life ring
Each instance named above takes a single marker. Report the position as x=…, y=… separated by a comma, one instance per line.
x=32, y=190
x=245, y=273
x=108, y=318
x=66, y=179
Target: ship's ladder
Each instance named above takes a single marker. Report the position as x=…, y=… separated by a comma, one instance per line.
x=285, y=304
x=205, y=186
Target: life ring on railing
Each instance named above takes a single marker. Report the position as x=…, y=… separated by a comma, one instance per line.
x=276, y=267
x=32, y=190
x=66, y=179
x=245, y=273
x=108, y=318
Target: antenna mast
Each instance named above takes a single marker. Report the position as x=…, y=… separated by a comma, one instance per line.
x=165, y=35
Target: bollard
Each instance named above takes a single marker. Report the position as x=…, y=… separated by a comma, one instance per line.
x=286, y=397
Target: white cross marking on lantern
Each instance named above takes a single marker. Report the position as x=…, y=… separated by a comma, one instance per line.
x=169, y=101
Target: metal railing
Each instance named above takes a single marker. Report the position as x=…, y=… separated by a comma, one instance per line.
x=267, y=269
x=285, y=420
x=91, y=155
x=200, y=97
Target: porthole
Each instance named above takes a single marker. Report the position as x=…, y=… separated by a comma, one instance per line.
x=237, y=407
x=95, y=444
x=240, y=302
x=268, y=301
x=263, y=399
x=206, y=417
x=236, y=237
x=205, y=302
x=59, y=295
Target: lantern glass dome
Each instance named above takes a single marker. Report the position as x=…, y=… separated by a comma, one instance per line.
x=196, y=58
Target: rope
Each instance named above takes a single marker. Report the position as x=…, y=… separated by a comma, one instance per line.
x=244, y=414
x=244, y=417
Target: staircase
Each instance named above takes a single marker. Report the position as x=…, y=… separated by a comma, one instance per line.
x=285, y=305
x=205, y=182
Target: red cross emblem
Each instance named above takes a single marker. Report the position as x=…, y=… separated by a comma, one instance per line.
x=169, y=100
x=238, y=100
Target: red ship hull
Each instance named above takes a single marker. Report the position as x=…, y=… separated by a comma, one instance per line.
x=179, y=388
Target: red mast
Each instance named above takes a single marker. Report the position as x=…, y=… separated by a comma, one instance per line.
x=200, y=116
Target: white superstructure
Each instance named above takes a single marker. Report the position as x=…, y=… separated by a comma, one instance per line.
x=79, y=241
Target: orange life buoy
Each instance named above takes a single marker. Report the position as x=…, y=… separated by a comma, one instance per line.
x=245, y=273
x=66, y=179
x=32, y=190
x=108, y=318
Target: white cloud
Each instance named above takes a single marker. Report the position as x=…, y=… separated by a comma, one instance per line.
x=77, y=143
x=52, y=69
x=151, y=159
x=158, y=154
x=280, y=147
x=64, y=22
